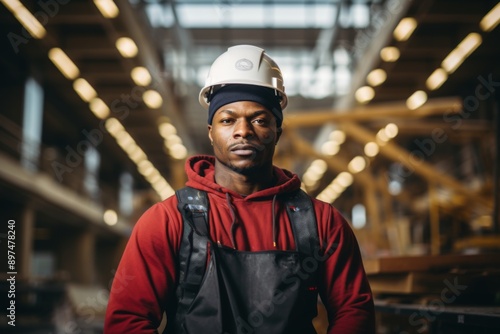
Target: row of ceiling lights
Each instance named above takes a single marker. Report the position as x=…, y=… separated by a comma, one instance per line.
x=356, y=165
x=87, y=93
x=450, y=63
x=365, y=94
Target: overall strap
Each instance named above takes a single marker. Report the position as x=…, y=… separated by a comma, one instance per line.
x=305, y=231
x=193, y=206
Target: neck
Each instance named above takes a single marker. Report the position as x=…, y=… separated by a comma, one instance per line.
x=244, y=183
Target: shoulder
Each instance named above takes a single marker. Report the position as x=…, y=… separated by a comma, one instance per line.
x=159, y=221
x=161, y=211
x=327, y=212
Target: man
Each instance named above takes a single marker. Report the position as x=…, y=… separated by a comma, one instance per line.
x=261, y=249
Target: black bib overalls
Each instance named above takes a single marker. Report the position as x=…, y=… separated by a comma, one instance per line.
x=241, y=292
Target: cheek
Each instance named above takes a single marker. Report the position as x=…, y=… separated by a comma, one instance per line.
x=220, y=138
x=269, y=138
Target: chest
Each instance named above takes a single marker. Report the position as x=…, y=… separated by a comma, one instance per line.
x=251, y=226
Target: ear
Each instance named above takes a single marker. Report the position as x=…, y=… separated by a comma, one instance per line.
x=210, y=133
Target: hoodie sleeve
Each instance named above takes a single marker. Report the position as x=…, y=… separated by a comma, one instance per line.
x=145, y=278
x=344, y=288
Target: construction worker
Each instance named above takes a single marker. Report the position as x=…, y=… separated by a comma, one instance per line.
x=242, y=249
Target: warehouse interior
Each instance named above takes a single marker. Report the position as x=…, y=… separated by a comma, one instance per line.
x=392, y=117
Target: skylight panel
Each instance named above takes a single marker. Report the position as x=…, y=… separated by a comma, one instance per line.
x=159, y=15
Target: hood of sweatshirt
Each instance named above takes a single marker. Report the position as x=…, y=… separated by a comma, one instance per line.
x=200, y=171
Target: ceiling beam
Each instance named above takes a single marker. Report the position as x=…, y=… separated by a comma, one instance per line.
x=308, y=118
x=416, y=164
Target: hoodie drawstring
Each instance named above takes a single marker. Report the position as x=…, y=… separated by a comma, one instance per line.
x=233, y=216
x=233, y=223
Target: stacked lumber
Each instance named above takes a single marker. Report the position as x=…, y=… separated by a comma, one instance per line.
x=430, y=274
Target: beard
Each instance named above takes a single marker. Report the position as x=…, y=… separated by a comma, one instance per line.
x=246, y=170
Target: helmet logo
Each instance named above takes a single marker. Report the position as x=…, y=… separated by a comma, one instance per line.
x=243, y=64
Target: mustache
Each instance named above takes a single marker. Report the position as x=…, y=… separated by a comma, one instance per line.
x=245, y=143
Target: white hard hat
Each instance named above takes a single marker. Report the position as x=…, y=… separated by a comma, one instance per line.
x=247, y=65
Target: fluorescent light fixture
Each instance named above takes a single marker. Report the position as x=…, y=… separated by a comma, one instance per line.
x=491, y=20
x=152, y=99
x=107, y=8
x=131, y=148
x=336, y=187
x=166, y=129
x=330, y=148
x=461, y=52
x=29, y=22
x=24, y=16
x=390, y=54
x=391, y=130
x=141, y=76
x=127, y=47
x=416, y=100
x=84, y=89
x=308, y=180
x=12, y=5
x=99, y=108
x=145, y=167
x=337, y=136
x=364, y=94
x=382, y=137
x=344, y=179
x=124, y=139
x=371, y=149
x=137, y=155
x=405, y=28
x=327, y=194
x=172, y=140
x=110, y=217
x=376, y=77
x=166, y=192
x=312, y=175
x=64, y=63
x=436, y=79
x=178, y=151
x=113, y=126
x=153, y=177
x=357, y=164
x=318, y=166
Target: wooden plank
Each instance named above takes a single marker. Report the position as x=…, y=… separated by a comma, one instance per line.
x=418, y=282
x=404, y=264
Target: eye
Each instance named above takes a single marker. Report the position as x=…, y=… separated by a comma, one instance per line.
x=260, y=121
x=226, y=120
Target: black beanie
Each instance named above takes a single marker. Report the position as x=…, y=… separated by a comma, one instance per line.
x=236, y=92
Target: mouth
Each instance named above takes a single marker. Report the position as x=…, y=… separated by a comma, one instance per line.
x=243, y=149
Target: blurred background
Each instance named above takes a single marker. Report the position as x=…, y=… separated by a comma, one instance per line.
x=393, y=118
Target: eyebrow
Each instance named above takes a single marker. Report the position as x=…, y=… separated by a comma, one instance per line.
x=254, y=114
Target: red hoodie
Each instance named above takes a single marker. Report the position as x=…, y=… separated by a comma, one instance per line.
x=145, y=281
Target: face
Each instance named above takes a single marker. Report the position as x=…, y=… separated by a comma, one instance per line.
x=244, y=135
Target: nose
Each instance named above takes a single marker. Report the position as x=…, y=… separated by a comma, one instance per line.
x=243, y=129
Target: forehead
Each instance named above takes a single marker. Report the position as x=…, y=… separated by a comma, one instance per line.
x=243, y=107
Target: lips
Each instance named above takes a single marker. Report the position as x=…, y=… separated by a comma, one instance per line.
x=243, y=149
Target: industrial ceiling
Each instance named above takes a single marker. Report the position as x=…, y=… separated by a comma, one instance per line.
x=350, y=73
